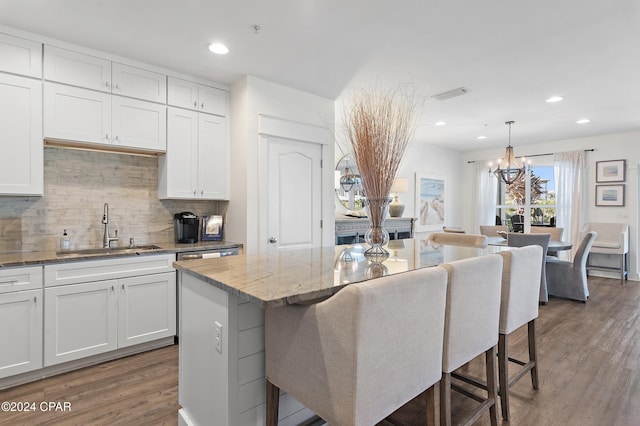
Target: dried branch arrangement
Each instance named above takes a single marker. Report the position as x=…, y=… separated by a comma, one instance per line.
x=379, y=127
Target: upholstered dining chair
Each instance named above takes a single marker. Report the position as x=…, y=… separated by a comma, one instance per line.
x=358, y=356
x=492, y=230
x=471, y=327
x=569, y=279
x=521, y=240
x=556, y=233
x=457, y=239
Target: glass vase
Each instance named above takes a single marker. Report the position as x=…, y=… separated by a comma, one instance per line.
x=376, y=236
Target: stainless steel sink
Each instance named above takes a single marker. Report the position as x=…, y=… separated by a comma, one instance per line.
x=107, y=251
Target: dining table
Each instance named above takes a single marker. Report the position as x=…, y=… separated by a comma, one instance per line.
x=554, y=245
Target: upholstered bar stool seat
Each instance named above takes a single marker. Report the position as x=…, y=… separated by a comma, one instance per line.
x=458, y=239
x=471, y=327
x=358, y=356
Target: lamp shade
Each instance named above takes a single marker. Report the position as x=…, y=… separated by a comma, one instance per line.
x=400, y=185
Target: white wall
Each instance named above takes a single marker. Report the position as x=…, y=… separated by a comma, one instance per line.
x=606, y=147
x=250, y=97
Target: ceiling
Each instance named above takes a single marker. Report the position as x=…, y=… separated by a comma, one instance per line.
x=511, y=55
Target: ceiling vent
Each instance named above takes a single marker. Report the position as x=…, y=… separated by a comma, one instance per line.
x=451, y=93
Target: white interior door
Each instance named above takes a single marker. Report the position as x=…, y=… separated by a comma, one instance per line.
x=294, y=196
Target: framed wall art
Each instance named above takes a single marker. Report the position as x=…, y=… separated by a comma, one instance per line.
x=610, y=171
x=211, y=228
x=430, y=203
x=610, y=195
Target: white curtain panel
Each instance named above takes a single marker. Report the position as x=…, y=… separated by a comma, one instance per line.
x=569, y=174
x=485, y=196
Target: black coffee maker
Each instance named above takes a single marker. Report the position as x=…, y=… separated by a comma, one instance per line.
x=187, y=226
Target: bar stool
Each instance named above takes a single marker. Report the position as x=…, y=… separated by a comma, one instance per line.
x=471, y=328
x=358, y=356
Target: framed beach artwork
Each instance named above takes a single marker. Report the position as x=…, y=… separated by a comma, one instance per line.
x=610, y=171
x=430, y=203
x=610, y=195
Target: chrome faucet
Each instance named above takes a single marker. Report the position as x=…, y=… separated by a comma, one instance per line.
x=106, y=239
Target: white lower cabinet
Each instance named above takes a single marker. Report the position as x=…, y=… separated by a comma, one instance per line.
x=79, y=320
x=146, y=308
x=88, y=318
x=20, y=331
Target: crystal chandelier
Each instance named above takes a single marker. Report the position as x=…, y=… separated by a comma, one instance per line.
x=512, y=170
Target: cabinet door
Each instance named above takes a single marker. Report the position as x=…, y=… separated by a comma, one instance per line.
x=182, y=93
x=212, y=100
x=79, y=321
x=21, y=162
x=178, y=169
x=146, y=308
x=75, y=114
x=138, y=83
x=20, y=56
x=213, y=157
x=66, y=66
x=139, y=124
x=20, y=332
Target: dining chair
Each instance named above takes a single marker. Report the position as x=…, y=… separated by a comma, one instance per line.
x=492, y=230
x=457, y=239
x=356, y=357
x=556, y=233
x=471, y=328
x=453, y=229
x=517, y=223
x=569, y=279
x=521, y=240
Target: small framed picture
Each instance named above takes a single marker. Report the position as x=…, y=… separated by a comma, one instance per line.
x=610, y=171
x=430, y=197
x=211, y=228
x=610, y=195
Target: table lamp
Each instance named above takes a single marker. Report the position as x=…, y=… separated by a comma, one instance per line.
x=399, y=185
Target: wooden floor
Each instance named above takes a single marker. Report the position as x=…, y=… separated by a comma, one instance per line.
x=589, y=375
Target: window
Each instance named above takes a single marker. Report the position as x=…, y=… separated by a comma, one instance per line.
x=533, y=193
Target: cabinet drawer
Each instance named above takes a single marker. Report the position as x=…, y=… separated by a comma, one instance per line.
x=20, y=56
x=106, y=269
x=19, y=279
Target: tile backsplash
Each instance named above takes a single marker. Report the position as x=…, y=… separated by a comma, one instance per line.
x=76, y=186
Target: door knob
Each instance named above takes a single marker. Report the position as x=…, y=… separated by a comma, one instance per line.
x=273, y=240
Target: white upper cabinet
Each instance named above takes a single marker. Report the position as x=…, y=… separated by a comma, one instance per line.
x=138, y=83
x=77, y=69
x=21, y=162
x=138, y=124
x=20, y=56
x=198, y=97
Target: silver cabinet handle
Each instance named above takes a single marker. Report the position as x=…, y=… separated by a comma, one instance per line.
x=106, y=136
x=202, y=192
x=194, y=192
x=123, y=286
x=195, y=104
x=273, y=240
x=117, y=86
x=35, y=299
x=106, y=84
x=113, y=289
x=117, y=138
x=202, y=105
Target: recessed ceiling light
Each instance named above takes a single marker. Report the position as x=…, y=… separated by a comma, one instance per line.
x=481, y=137
x=440, y=123
x=583, y=121
x=218, y=48
x=554, y=99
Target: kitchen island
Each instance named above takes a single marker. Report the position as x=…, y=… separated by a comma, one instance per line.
x=222, y=303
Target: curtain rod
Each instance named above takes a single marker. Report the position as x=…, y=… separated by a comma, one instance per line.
x=538, y=155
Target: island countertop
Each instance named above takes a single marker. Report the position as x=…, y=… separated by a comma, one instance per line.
x=308, y=275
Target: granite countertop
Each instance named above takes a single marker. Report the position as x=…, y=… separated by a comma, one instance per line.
x=303, y=276
x=42, y=257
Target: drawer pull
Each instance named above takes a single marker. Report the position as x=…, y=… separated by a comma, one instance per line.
x=35, y=299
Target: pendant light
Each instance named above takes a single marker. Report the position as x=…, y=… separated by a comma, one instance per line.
x=512, y=170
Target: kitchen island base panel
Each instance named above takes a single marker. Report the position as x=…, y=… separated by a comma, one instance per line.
x=224, y=384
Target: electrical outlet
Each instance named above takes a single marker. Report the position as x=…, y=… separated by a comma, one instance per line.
x=218, y=336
